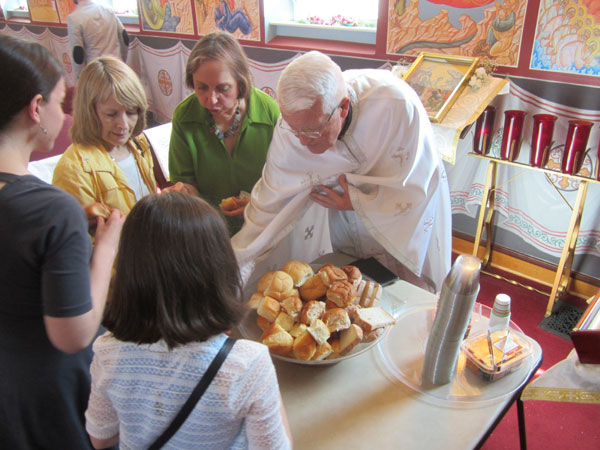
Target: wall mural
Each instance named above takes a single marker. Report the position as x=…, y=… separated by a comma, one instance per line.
x=65, y=7
x=238, y=17
x=567, y=37
x=167, y=16
x=485, y=28
x=43, y=11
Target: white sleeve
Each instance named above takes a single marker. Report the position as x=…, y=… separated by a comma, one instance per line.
x=263, y=421
x=102, y=421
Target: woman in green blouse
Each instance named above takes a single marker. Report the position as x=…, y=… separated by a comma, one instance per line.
x=222, y=131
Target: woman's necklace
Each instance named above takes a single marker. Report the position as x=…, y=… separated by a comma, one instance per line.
x=237, y=118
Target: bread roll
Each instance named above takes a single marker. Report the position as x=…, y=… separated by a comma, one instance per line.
x=319, y=331
x=304, y=346
x=264, y=281
x=312, y=310
x=352, y=311
x=313, y=288
x=97, y=210
x=369, y=293
x=269, y=308
x=292, y=305
x=281, y=285
x=228, y=204
x=323, y=351
x=278, y=340
x=354, y=275
x=342, y=293
x=350, y=338
x=336, y=319
x=373, y=335
x=370, y=319
x=255, y=300
x=262, y=323
x=330, y=305
x=334, y=342
x=331, y=274
x=285, y=321
x=298, y=329
x=299, y=271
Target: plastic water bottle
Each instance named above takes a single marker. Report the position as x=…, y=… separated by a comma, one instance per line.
x=500, y=315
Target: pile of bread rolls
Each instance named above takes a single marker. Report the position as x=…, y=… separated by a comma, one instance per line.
x=315, y=316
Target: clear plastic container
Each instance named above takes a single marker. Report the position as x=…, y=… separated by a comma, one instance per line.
x=402, y=350
x=495, y=355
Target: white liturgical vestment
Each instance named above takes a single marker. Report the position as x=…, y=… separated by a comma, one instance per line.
x=397, y=183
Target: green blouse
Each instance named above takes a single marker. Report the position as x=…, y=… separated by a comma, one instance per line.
x=198, y=157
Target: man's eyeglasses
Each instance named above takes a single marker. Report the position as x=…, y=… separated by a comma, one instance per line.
x=309, y=134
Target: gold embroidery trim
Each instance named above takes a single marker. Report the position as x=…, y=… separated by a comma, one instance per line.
x=561, y=395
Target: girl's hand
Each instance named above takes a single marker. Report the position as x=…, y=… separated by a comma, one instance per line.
x=108, y=232
x=92, y=212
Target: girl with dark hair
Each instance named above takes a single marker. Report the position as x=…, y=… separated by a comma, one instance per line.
x=53, y=290
x=177, y=291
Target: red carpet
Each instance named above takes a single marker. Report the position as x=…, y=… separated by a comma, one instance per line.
x=550, y=425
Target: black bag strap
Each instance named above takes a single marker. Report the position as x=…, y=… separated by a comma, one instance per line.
x=187, y=407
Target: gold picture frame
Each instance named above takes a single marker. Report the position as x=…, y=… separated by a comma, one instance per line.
x=439, y=79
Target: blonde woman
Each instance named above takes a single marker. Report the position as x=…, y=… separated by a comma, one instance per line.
x=109, y=165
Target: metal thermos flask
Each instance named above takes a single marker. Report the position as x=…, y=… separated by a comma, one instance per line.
x=452, y=317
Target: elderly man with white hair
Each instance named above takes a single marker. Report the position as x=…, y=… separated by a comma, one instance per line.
x=360, y=144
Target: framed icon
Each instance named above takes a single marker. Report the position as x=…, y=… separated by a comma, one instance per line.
x=439, y=79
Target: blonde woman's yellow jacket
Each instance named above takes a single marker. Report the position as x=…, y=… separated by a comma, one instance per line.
x=91, y=176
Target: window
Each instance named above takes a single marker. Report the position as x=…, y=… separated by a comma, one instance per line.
x=15, y=8
x=126, y=10
x=125, y=7
x=341, y=20
x=363, y=12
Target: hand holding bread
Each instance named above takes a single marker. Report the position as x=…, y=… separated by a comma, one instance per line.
x=234, y=206
x=92, y=212
x=311, y=316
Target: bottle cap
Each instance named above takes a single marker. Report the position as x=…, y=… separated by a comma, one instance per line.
x=502, y=305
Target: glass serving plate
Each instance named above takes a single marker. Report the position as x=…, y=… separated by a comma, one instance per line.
x=403, y=348
x=250, y=330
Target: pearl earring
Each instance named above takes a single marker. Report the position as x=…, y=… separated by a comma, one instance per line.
x=43, y=129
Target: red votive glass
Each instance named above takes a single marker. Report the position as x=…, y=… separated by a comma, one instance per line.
x=482, y=139
x=541, y=139
x=511, y=137
x=575, y=145
x=598, y=164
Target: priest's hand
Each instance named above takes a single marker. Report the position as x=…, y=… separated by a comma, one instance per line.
x=329, y=198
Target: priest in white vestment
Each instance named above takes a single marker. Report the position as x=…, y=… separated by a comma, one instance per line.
x=360, y=145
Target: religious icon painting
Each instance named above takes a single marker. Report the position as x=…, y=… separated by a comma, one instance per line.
x=487, y=29
x=167, y=16
x=567, y=37
x=43, y=11
x=438, y=80
x=238, y=17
